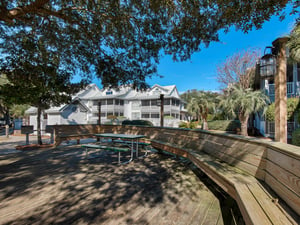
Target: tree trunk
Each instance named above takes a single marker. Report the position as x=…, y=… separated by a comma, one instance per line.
x=244, y=124
x=7, y=117
x=205, y=124
x=39, y=134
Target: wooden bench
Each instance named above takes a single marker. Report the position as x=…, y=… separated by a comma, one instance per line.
x=257, y=204
x=108, y=148
x=59, y=138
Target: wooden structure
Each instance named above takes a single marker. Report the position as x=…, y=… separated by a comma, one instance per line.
x=263, y=177
x=280, y=91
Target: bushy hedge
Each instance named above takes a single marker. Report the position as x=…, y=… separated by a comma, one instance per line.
x=190, y=125
x=224, y=125
x=293, y=106
x=296, y=137
x=137, y=122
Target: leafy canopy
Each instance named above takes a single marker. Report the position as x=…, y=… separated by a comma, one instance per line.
x=121, y=41
x=238, y=101
x=36, y=77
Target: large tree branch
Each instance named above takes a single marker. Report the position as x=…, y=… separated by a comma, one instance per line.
x=8, y=15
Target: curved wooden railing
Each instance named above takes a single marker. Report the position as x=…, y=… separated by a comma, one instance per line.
x=271, y=170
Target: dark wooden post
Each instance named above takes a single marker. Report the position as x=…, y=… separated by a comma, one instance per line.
x=99, y=112
x=161, y=97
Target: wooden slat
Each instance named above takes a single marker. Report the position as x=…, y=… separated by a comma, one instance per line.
x=292, y=164
x=284, y=177
x=271, y=209
x=250, y=209
x=286, y=194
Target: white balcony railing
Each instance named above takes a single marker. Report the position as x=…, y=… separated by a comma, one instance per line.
x=289, y=88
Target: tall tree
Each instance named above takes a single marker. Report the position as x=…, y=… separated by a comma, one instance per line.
x=241, y=102
x=294, y=42
x=238, y=68
x=200, y=105
x=122, y=41
x=36, y=77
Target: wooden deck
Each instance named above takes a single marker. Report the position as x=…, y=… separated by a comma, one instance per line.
x=61, y=186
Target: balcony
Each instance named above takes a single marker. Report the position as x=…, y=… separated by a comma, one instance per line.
x=289, y=89
x=270, y=128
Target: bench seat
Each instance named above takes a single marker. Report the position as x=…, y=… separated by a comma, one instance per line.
x=256, y=204
x=59, y=138
x=108, y=148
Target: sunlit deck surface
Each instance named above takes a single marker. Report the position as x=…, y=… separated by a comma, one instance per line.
x=61, y=186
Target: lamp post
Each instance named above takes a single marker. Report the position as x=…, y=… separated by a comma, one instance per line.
x=274, y=65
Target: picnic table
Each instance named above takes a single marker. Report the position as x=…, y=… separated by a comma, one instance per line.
x=131, y=142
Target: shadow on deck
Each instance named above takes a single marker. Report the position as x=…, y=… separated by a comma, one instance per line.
x=61, y=186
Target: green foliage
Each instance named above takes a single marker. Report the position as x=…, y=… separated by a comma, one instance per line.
x=294, y=42
x=296, y=137
x=122, y=41
x=270, y=112
x=293, y=106
x=189, y=125
x=210, y=117
x=18, y=111
x=137, y=122
x=201, y=104
x=224, y=125
x=241, y=102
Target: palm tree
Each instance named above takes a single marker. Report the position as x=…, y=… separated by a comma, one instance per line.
x=242, y=102
x=294, y=42
x=200, y=106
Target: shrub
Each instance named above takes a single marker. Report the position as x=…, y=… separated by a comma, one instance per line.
x=137, y=122
x=183, y=125
x=190, y=125
x=296, y=137
x=293, y=105
x=224, y=125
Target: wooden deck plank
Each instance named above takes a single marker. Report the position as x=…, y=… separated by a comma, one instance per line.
x=61, y=186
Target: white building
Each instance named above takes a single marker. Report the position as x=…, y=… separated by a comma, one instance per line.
x=267, y=128
x=123, y=103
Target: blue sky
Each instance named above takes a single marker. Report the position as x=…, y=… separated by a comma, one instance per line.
x=200, y=71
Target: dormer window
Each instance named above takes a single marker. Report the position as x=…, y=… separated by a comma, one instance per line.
x=109, y=92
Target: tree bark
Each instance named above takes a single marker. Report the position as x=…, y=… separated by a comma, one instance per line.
x=39, y=134
x=244, y=124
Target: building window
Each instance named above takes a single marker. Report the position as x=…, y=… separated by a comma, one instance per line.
x=109, y=92
x=145, y=102
x=155, y=115
x=110, y=114
x=153, y=102
x=95, y=103
x=103, y=102
x=145, y=115
x=117, y=101
x=110, y=101
x=121, y=114
x=167, y=101
x=121, y=102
